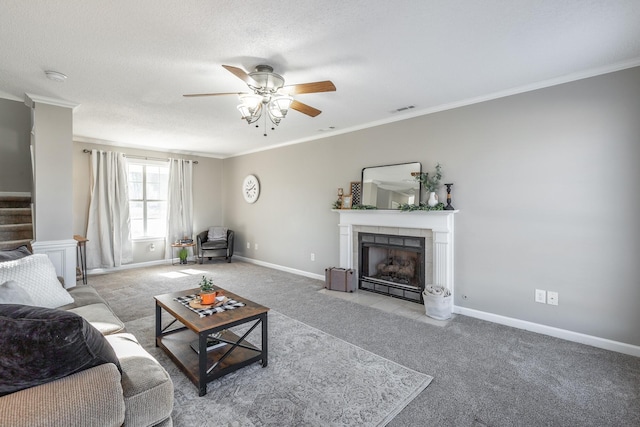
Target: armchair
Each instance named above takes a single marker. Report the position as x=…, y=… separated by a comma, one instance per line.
x=215, y=240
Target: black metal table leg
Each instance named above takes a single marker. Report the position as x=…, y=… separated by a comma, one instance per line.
x=265, y=347
x=202, y=363
x=158, y=323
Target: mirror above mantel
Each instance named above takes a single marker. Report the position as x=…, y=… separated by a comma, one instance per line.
x=389, y=186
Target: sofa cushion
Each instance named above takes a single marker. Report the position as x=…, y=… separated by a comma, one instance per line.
x=146, y=386
x=83, y=295
x=37, y=276
x=40, y=345
x=12, y=293
x=92, y=397
x=90, y=305
x=216, y=244
x=101, y=317
x=13, y=254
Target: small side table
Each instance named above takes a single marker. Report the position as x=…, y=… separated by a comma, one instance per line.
x=181, y=246
x=82, y=256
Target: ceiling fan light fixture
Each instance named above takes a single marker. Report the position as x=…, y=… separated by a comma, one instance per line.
x=244, y=111
x=279, y=105
x=248, y=115
x=251, y=101
x=274, y=120
x=250, y=107
x=265, y=99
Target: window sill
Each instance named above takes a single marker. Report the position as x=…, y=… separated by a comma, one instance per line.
x=147, y=239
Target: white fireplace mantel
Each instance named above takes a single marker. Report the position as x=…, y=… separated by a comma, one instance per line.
x=439, y=222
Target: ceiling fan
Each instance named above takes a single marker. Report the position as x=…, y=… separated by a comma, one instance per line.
x=269, y=93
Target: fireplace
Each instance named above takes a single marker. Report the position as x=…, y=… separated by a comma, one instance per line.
x=435, y=227
x=392, y=265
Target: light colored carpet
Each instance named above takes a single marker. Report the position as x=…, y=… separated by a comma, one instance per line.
x=313, y=379
x=485, y=374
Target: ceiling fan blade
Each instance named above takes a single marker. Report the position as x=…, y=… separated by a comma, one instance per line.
x=304, y=108
x=191, y=95
x=325, y=86
x=241, y=74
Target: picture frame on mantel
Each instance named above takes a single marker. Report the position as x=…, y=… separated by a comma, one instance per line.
x=356, y=191
x=346, y=201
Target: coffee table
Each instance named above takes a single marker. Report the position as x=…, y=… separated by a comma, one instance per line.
x=203, y=367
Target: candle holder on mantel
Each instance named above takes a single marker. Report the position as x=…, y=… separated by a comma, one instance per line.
x=449, y=207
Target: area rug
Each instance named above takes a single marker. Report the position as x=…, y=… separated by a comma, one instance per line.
x=312, y=379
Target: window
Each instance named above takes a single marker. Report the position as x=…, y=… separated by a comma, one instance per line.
x=148, y=190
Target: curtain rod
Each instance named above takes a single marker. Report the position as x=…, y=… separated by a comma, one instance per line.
x=195, y=162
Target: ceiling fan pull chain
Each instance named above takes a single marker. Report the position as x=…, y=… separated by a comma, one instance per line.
x=265, y=125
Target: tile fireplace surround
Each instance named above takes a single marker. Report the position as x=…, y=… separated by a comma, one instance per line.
x=436, y=227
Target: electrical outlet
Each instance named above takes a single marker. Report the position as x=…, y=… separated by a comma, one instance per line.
x=248, y=245
x=152, y=247
x=313, y=256
x=255, y=246
x=552, y=298
x=541, y=296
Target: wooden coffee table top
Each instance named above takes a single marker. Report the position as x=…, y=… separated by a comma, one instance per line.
x=198, y=324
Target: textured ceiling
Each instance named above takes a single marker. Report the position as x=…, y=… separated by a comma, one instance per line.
x=129, y=62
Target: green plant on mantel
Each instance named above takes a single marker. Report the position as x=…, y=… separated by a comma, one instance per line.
x=337, y=204
x=364, y=207
x=406, y=207
x=431, y=184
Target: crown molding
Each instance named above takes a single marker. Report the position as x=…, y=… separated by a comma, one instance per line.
x=31, y=99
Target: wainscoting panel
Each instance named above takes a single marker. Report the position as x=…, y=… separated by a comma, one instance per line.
x=62, y=254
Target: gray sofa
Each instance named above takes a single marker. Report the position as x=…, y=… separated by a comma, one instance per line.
x=142, y=395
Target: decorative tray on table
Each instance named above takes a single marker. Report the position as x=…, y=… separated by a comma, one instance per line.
x=197, y=302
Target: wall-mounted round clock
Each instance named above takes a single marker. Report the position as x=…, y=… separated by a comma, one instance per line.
x=250, y=189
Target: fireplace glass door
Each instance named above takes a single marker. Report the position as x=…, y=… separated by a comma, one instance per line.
x=392, y=265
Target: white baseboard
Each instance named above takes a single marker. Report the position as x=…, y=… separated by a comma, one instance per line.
x=281, y=268
x=620, y=347
x=128, y=266
x=564, y=334
x=632, y=350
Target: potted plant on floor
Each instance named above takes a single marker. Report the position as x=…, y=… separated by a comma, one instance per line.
x=207, y=294
x=183, y=254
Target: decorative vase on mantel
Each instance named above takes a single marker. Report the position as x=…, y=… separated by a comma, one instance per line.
x=433, y=199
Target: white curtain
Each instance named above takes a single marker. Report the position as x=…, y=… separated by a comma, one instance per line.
x=179, y=203
x=109, y=226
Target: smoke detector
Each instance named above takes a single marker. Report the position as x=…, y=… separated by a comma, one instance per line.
x=55, y=76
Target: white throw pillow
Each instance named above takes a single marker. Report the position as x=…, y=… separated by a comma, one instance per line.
x=217, y=233
x=37, y=276
x=12, y=293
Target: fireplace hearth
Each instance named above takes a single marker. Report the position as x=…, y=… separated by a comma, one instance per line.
x=392, y=265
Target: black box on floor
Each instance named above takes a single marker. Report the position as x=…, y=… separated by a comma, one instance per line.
x=340, y=279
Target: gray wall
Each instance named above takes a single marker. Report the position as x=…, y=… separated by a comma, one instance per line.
x=15, y=157
x=53, y=190
x=546, y=182
x=207, y=191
